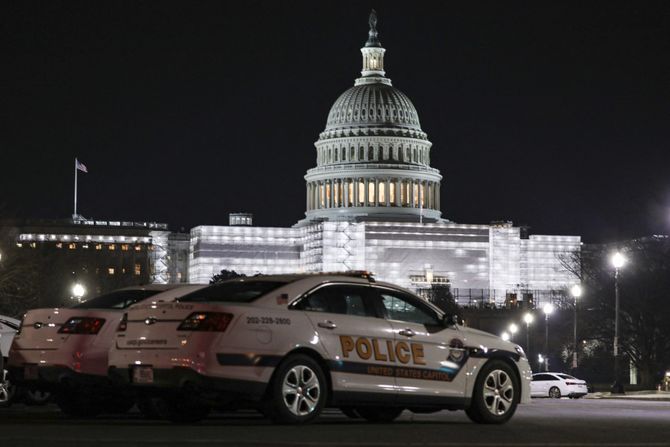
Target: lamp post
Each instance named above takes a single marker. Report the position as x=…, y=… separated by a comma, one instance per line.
x=528, y=319
x=505, y=336
x=618, y=260
x=78, y=291
x=576, y=292
x=512, y=329
x=547, y=309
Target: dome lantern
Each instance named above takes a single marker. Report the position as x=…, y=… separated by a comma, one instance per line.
x=373, y=56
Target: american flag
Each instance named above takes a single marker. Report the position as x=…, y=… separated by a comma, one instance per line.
x=81, y=166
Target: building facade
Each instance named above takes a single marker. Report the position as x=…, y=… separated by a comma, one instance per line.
x=373, y=203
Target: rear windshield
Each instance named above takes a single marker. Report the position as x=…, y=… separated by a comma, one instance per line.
x=232, y=292
x=565, y=376
x=117, y=300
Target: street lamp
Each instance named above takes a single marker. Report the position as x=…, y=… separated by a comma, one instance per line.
x=617, y=260
x=547, y=309
x=78, y=291
x=505, y=336
x=528, y=319
x=576, y=292
x=513, y=329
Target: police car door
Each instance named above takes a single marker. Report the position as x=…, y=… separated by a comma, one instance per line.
x=429, y=356
x=355, y=339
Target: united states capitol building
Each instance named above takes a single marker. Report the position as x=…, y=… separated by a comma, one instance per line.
x=373, y=203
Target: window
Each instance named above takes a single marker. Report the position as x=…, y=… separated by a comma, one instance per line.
x=346, y=300
x=117, y=300
x=138, y=269
x=110, y=271
x=111, y=247
x=237, y=291
x=406, y=308
x=124, y=247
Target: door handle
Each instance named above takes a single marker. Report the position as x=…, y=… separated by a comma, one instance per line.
x=407, y=332
x=326, y=324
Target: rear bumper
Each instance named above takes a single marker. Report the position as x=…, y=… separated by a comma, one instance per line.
x=52, y=377
x=178, y=378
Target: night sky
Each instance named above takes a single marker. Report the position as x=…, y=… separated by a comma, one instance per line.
x=554, y=114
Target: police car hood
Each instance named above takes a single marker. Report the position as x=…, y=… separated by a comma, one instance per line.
x=475, y=338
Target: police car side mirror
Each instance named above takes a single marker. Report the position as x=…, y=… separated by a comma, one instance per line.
x=450, y=320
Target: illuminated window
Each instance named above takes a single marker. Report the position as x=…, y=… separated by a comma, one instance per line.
x=84, y=246
x=138, y=269
x=124, y=247
x=98, y=246
x=111, y=247
x=351, y=194
x=138, y=247
x=382, y=192
x=371, y=192
x=110, y=271
x=19, y=244
x=72, y=246
x=361, y=193
x=392, y=193
x=415, y=198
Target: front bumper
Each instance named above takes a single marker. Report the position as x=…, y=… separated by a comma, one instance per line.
x=179, y=378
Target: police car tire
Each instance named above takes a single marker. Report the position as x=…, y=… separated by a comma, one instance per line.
x=181, y=408
x=286, y=373
x=350, y=412
x=479, y=411
x=555, y=392
x=77, y=404
x=379, y=414
x=147, y=406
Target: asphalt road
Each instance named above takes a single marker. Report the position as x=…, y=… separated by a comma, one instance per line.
x=545, y=422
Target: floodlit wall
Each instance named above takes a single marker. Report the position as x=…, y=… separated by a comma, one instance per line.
x=550, y=261
x=247, y=250
x=505, y=256
x=397, y=251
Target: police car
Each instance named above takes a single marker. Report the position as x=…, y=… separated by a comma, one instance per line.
x=65, y=349
x=292, y=345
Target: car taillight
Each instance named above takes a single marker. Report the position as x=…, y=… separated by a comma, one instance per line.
x=82, y=325
x=206, y=321
x=123, y=324
x=571, y=383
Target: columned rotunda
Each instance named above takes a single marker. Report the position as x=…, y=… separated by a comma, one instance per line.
x=373, y=203
x=373, y=159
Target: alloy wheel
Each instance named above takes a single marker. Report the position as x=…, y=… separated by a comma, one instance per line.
x=498, y=392
x=301, y=390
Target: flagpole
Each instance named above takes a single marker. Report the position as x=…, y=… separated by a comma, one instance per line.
x=74, y=215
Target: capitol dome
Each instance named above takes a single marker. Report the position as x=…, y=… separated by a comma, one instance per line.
x=373, y=158
x=375, y=105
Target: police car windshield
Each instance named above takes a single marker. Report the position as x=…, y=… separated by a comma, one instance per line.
x=117, y=300
x=232, y=292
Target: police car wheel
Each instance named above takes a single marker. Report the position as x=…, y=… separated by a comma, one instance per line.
x=496, y=394
x=379, y=414
x=350, y=412
x=554, y=392
x=181, y=408
x=299, y=390
x=77, y=404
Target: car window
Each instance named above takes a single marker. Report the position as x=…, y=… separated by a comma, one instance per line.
x=401, y=307
x=235, y=291
x=347, y=300
x=565, y=376
x=543, y=377
x=117, y=300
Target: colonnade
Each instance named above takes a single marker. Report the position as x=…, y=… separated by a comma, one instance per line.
x=373, y=192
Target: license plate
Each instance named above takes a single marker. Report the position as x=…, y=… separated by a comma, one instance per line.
x=30, y=372
x=143, y=374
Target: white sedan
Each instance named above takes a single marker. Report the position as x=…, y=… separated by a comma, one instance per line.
x=557, y=385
